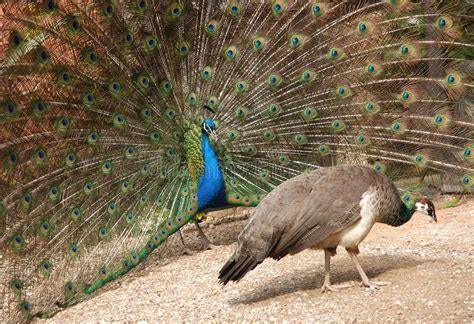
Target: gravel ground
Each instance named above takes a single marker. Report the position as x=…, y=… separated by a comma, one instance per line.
x=429, y=265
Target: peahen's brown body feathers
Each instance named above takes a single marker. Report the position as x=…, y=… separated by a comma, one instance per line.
x=103, y=146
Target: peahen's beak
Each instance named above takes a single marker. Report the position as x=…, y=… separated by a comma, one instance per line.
x=433, y=215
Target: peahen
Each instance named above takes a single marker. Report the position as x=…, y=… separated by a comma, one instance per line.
x=318, y=210
x=120, y=120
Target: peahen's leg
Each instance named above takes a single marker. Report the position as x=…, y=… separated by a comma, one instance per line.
x=207, y=244
x=365, y=280
x=184, y=248
x=327, y=273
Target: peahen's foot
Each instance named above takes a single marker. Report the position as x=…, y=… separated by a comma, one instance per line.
x=375, y=284
x=186, y=251
x=328, y=287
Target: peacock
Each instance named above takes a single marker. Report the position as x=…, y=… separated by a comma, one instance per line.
x=121, y=120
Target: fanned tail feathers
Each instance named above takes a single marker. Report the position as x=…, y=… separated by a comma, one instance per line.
x=100, y=116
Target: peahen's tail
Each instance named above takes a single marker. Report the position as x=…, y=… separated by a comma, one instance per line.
x=100, y=116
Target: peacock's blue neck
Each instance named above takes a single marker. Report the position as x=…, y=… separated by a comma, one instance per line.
x=211, y=185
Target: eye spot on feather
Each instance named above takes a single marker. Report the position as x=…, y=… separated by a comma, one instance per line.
x=453, y=80
x=275, y=109
x=74, y=24
x=103, y=272
x=336, y=53
x=420, y=160
x=150, y=43
x=467, y=181
x=129, y=217
x=75, y=213
x=103, y=233
x=318, y=9
x=297, y=41
x=45, y=268
x=379, y=167
x=73, y=250
x=141, y=6
x=444, y=23
x=107, y=9
x=343, y=91
x=467, y=152
x=407, y=97
x=183, y=48
x=308, y=75
x=42, y=56
x=231, y=53
x=362, y=139
x=241, y=86
x=441, y=120
x=118, y=120
x=338, y=125
x=17, y=243
x=154, y=136
x=17, y=39
x=11, y=160
x=166, y=88
x=234, y=8
x=212, y=27
x=69, y=286
x=25, y=309
x=324, y=149
x=17, y=285
x=71, y=159
x=128, y=39
x=207, y=73
x=106, y=167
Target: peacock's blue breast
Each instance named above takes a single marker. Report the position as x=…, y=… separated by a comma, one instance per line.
x=211, y=186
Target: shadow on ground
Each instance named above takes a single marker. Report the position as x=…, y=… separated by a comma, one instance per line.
x=313, y=279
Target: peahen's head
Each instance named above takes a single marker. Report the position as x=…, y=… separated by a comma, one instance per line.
x=209, y=126
x=426, y=207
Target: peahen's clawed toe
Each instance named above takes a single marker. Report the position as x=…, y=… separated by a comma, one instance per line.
x=375, y=284
x=209, y=246
x=186, y=251
x=334, y=288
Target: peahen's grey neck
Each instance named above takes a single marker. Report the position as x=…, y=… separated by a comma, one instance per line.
x=404, y=215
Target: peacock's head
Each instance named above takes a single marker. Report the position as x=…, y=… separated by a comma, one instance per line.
x=426, y=207
x=209, y=126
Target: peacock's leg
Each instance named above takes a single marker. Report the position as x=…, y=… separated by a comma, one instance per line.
x=365, y=280
x=327, y=273
x=207, y=243
x=184, y=248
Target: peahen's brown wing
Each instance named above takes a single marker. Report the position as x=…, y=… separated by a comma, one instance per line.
x=327, y=201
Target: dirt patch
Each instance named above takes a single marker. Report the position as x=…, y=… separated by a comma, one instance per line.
x=430, y=265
